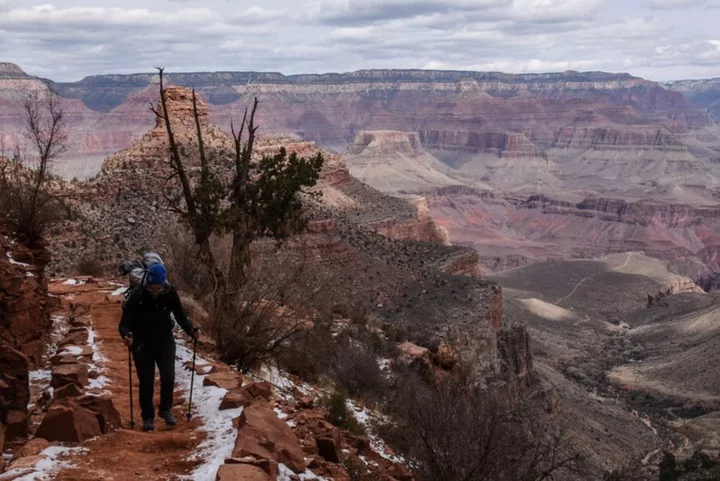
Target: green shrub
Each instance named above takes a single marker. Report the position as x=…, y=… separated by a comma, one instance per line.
x=340, y=415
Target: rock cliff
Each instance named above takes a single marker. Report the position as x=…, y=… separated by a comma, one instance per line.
x=704, y=93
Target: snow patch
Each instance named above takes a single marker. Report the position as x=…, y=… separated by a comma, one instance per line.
x=367, y=418
x=47, y=467
x=287, y=474
x=283, y=384
x=119, y=291
x=13, y=261
x=102, y=381
x=221, y=434
x=71, y=350
x=29, y=274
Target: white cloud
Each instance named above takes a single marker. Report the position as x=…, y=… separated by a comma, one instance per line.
x=681, y=4
x=68, y=39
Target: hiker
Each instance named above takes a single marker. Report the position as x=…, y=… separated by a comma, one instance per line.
x=147, y=329
x=135, y=270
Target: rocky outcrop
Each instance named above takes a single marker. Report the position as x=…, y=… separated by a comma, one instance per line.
x=263, y=436
x=23, y=328
x=508, y=145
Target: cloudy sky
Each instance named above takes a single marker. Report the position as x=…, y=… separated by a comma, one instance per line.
x=68, y=39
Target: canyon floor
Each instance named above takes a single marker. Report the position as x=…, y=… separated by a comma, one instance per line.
x=628, y=347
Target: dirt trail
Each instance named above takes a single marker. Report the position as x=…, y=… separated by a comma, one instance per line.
x=128, y=454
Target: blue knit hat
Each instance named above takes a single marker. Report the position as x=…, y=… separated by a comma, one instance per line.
x=156, y=274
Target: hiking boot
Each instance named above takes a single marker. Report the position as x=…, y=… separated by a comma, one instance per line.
x=168, y=417
x=148, y=425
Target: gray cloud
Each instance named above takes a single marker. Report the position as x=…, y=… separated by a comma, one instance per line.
x=68, y=39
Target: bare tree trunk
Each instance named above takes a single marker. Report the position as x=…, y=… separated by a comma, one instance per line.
x=175, y=153
x=242, y=232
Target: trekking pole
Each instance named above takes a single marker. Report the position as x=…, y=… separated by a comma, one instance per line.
x=192, y=378
x=132, y=415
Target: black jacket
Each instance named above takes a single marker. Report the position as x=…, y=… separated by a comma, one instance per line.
x=149, y=319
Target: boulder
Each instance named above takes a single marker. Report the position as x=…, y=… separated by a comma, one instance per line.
x=14, y=388
x=16, y=423
x=67, y=391
x=108, y=417
x=59, y=360
x=70, y=373
x=263, y=390
x=270, y=467
x=261, y=434
x=241, y=472
x=84, y=351
x=75, y=338
x=31, y=448
x=412, y=352
x=238, y=397
x=224, y=380
x=330, y=447
x=446, y=356
x=69, y=422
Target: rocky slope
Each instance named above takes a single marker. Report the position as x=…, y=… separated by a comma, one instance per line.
x=378, y=253
x=509, y=231
x=608, y=362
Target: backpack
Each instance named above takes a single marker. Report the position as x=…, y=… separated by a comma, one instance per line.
x=137, y=270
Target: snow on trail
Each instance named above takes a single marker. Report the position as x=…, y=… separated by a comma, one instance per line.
x=221, y=434
x=98, y=357
x=119, y=291
x=46, y=468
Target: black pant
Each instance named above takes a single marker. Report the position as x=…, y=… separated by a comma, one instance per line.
x=147, y=355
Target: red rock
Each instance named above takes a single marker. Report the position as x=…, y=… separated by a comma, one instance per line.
x=262, y=390
x=79, y=308
x=66, y=391
x=14, y=387
x=16, y=423
x=82, y=321
x=65, y=359
x=241, y=472
x=69, y=423
x=75, y=338
x=108, y=417
x=70, y=373
x=269, y=466
x=330, y=448
x=306, y=402
x=263, y=435
x=225, y=380
x=236, y=398
x=31, y=448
